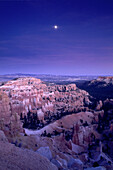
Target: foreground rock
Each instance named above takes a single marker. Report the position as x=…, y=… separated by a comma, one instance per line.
x=45, y=151
x=14, y=158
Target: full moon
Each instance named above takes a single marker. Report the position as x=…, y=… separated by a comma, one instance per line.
x=55, y=27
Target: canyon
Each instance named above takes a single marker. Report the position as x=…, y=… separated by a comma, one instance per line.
x=63, y=124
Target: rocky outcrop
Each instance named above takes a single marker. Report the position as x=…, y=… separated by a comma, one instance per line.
x=12, y=157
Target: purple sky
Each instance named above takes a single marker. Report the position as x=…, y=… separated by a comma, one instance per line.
x=82, y=45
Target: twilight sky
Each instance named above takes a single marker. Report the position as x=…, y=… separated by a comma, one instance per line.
x=82, y=44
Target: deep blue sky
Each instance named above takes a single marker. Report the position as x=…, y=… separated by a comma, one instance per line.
x=83, y=44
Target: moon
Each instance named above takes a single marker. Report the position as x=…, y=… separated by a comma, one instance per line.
x=55, y=27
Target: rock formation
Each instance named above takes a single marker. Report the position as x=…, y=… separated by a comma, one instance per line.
x=23, y=95
x=69, y=124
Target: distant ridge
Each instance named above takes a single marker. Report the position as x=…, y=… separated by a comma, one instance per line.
x=47, y=77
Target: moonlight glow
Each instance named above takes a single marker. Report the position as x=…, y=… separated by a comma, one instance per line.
x=55, y=27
